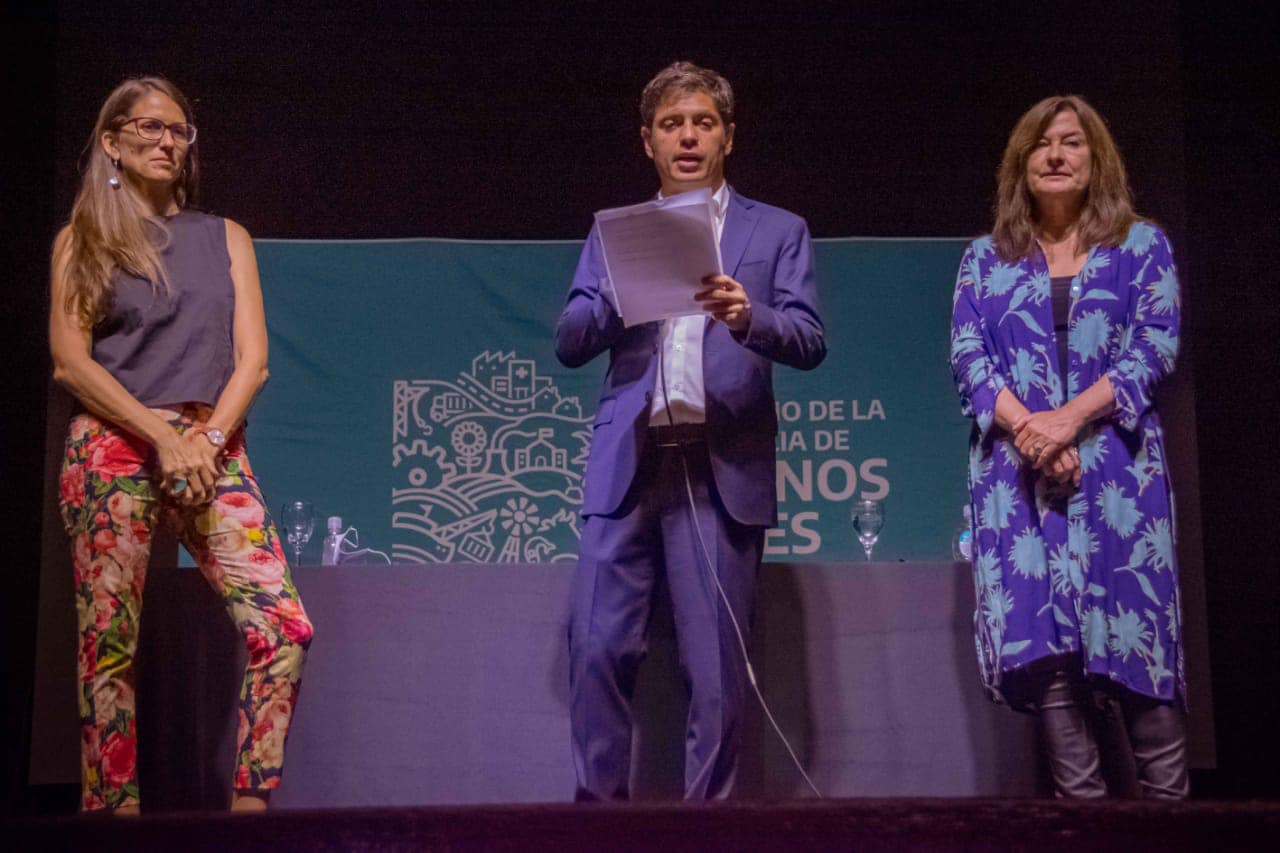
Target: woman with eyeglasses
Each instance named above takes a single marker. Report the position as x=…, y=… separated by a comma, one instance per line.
x=156, y=326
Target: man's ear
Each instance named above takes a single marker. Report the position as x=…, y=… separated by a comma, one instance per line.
x=728, y=138
x=646, y=134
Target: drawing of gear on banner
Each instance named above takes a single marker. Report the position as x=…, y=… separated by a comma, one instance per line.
x=488, y=465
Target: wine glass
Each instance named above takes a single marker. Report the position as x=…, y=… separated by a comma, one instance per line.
x=299, y=519
x=868, y=518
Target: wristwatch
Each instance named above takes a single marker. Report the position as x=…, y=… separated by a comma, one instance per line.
x=216, y=436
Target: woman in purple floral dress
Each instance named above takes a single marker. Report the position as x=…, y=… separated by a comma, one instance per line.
x=1065, y=323
x=156, y=326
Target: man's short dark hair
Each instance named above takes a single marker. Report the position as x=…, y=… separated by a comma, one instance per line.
x=684, y=78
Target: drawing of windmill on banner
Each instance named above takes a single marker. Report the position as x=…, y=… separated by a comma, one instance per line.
x=488, y=466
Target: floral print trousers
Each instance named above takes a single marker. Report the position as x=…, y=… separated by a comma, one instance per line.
x=111, y=501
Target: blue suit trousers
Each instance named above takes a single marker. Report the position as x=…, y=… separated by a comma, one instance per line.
x=621, y=559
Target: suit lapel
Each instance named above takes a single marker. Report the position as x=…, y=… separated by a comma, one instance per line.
x=739, y=222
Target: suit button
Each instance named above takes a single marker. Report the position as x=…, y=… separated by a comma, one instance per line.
x=648, y=396
x=655, y=349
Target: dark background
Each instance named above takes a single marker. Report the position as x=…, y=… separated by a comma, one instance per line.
x=477, y=121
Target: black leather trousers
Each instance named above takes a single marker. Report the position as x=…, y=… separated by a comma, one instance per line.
x=1075, y=722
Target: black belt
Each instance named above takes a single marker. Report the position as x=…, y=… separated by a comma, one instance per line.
x=677, y=435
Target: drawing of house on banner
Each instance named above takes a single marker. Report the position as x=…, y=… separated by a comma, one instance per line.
x=487, y=466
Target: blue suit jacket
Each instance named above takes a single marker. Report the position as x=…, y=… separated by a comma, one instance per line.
x=768, y=250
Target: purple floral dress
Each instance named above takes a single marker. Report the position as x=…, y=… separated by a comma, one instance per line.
x=1093, y=576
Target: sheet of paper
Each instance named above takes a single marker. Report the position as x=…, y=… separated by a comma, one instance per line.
x=657, y=254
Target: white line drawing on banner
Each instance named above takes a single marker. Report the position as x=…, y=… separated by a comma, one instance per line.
x=488, y=466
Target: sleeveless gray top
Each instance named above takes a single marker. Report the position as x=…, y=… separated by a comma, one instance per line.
x=174, y=347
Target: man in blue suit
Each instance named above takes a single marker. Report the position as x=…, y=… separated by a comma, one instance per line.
x=680, y=479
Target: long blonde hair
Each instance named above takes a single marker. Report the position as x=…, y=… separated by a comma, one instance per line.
x=110, y=227
x=1108, y=205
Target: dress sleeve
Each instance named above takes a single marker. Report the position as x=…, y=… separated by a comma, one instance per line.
x=1149, y=345
x=976, y=376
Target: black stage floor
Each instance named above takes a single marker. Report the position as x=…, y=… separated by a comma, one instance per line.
x=862, y=824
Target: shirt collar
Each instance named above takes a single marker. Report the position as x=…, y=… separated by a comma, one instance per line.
x=720, y=198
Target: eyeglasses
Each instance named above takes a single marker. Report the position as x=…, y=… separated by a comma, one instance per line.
x=152, y=129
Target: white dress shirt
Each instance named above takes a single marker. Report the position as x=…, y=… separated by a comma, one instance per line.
x=681, y=353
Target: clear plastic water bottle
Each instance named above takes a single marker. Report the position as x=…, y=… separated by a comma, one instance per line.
x=962, y=543
x=331, y=550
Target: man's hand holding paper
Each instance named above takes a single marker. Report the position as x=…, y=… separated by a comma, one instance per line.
x=726, y=300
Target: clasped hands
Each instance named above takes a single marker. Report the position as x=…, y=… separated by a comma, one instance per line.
x=189, y=459
x=726, y=300
x=1047, y=441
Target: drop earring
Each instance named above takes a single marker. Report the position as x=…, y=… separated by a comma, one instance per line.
x=114, y=180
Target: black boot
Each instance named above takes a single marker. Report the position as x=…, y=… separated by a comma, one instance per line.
x=1159, y=737
x=1069, y=740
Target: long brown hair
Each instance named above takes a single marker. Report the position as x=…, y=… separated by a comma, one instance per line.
x=1108, y=205
x=110, y=227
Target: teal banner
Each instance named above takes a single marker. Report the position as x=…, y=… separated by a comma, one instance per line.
x=415, y=393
